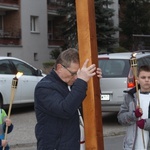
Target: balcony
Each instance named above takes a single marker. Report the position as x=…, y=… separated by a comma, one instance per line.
x=55, y=39
x=7, y=5
x=10, y=2
x=55, y=4
x=7, y=38
x=56, y=42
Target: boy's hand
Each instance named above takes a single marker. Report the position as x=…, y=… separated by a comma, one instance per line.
x=138, y=112
x=4, y=143
x=141, y=123
x=8, y=122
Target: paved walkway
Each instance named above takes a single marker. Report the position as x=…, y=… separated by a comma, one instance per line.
x=23, y=137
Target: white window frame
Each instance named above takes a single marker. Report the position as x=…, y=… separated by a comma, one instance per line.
x=34, y=22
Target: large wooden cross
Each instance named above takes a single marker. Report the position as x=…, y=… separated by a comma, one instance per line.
x=87, y=43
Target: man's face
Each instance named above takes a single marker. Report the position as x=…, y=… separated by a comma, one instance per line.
x=69, y=74
x=144, y=81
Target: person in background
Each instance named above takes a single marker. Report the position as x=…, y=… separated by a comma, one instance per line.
x=57, y=99
x=4, y=121
x=137, y=117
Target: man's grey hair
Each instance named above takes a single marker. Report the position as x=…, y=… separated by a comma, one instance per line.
x=67, y=57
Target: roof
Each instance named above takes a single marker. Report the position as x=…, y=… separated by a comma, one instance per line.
x=6, y=57
x=124, y=55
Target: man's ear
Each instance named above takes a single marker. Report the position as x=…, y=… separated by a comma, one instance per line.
x=59, y=67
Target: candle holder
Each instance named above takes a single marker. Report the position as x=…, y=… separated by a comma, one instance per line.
x=13, y=91
x=133, y=62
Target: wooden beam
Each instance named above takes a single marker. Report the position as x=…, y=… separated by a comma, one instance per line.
x=87, y=43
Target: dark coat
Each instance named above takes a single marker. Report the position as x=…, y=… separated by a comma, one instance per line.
x=56, y=112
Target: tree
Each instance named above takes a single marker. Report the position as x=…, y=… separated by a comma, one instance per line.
x=104, y=24
x=69, y=26
x=134, y=19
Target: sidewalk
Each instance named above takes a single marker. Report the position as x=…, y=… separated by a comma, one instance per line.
x=24, y=147
x=110, y=143
x=23, y=136
x=113, y=142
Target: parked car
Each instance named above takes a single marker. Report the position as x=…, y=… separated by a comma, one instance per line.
x=117, y=77
x=24, y=94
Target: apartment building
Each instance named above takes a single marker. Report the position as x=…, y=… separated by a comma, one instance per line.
x=29, y=29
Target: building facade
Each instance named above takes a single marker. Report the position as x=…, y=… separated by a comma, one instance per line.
x=28, y=29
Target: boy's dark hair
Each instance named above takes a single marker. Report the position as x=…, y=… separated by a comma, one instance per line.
x=143, y=68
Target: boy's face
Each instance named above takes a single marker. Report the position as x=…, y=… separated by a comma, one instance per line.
x=144, y=81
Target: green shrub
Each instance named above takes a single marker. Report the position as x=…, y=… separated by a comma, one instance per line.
x=48, y=64
x=55, y=53
x=120, y=49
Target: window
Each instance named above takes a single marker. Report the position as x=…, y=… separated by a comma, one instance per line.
x=22, y=67
x=5, y=67
x=34, y=23
x=35, y=56
x=113, y=68
x=143, y=61
x=9, y=54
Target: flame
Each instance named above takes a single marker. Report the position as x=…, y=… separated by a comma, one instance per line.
x=134, y=54
x=19, y=74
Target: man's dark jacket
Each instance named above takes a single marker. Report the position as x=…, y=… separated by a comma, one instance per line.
x=56, y=112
